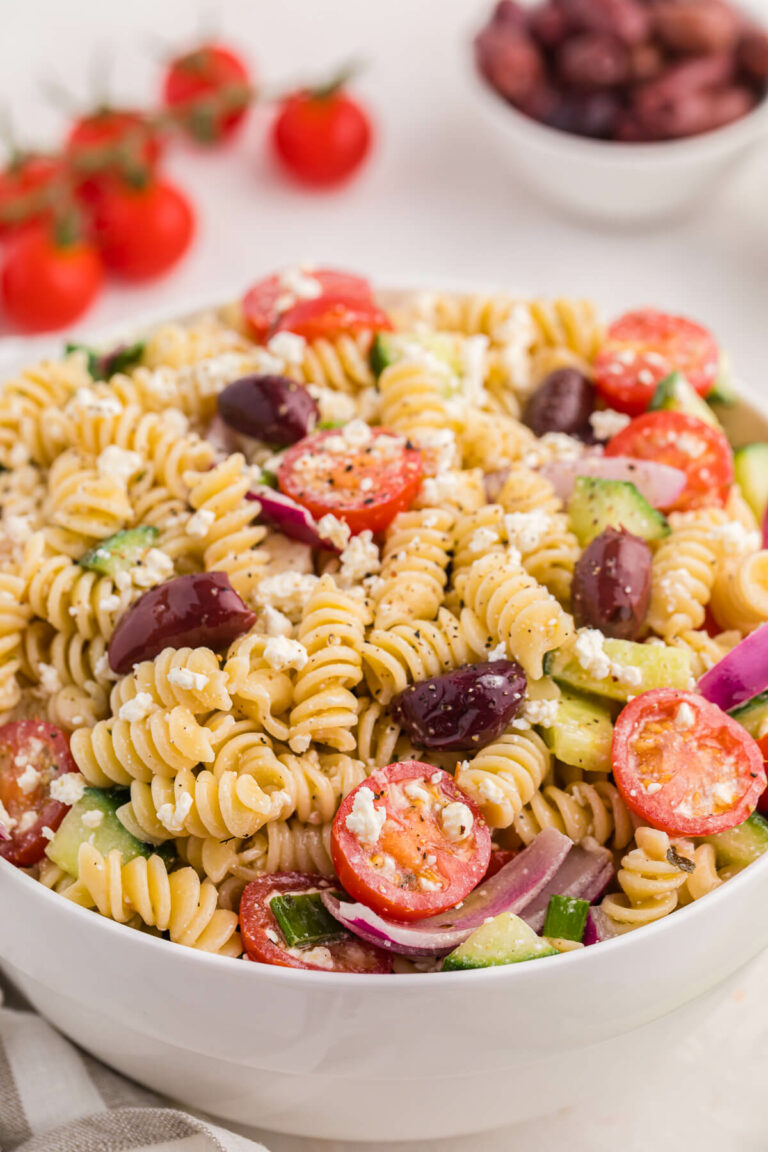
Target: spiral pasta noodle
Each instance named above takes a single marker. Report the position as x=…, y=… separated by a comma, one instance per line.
x=191, y=677
x=579, y=810
x=415, y=558
x=525, y=490
x=14, y=615
x=740, y=592
x=649, y=879
x=505, y=775
x=705, y=650
x=341, y=364
x=71, y=598
x=683, y=576
x=86, y=501
x=492, y=440
x=32, y=425
x=161, y=744
x=413, y=400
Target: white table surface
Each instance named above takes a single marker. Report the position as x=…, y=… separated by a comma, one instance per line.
x=435, y=202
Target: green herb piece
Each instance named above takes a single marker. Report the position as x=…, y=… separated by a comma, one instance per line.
x=304, y=920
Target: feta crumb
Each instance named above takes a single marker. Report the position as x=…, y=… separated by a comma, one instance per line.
x=685, y=717
x=136, y=709
x=473, y=353
x=118, y=463
x=274, y=623
x=608, y=423
x=526, y=529
x=187, y=679
x=172, y=816
x=428, y=885
x=155, y=568
x=272, y=936
x=296, y=281
x=691, y=445
x=482, y=539
x=288, y=346
x=418, y=791
x=499, y=652
x=29, y=779
x=336, y=531
x=542, y=712
x=50, y=681
x=280, y=653
x=17, y=528
x=590, y=654
x=48, y=833
x=7, y=822
x=68, y=788
x=553, y=446
x=199, y=523
x=652, y=789
x=736, y=538
x=457, y=821
x=299, y=743
x=27, y=821
x=102, y=669
x=320, y=956
x=96, y=404
x=359, y=559
x=365, y=821
x=110, y=603
x=92, y=819
x=288, y=591
x=440, y=445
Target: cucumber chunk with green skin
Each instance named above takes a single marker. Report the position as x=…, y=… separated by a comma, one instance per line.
x=753, y=715
x=506, y=939
x=750, y=466
x=597, y=504
x=389, y=347
x=582, y=733
x=654, y=665
x=304, y=919
x=722, y=391
x=675, y=394
x=104, y=831
x=742, y=845
x=102, y=365
x=120, y=552
x=566, y=918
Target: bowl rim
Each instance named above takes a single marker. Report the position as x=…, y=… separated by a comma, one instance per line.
x=752, y=874
x=659, y=153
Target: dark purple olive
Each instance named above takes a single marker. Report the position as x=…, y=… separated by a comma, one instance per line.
x=563, y=402
x=611, y=586
x=198, y=610
x=510, y=61
x=593, y=114
x=271, y=408
x=461, y=710
x=593, y=60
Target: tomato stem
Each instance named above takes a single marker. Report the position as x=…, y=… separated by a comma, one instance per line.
x=349, y=71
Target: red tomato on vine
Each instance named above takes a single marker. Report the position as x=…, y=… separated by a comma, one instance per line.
x=208, y=90
x=50, y=277
x=143, y=231
x=322, y=135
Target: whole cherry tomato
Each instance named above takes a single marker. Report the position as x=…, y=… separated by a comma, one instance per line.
x=111, y=140
x=49, y=279
x=25, y=185
x=322, y=135
x=143, y=231
x=209, y=90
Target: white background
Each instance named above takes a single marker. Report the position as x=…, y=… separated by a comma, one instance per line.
x=435, y=201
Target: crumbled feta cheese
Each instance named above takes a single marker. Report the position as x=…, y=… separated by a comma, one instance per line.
x=288, y=591
x=359, y=559
x=48, y=833
x=336, y=531
x=289, y=346
x=366, y=484
x=118, y=463
x=334, y=406
x=27, y=821
x=685, y=717
x=526, y=529
x=365, y=820
x=736, y=538
x=110, y=603
x=440, y=445
x=199, y=523
x=418, y=791
x=97, y=405
x=482, y=539
x=155, y=568
x=457, y=821
x=652, y=789
x=172, y=816
x=136, y=709
x=280, y=653
x=553, y=446
x=608, y=423
x=187, y=679
x=29, y=779
x=691, y=445
x=499, y=652
x=299, y=743
x=542, y=712
x=7, y=821
x=428, y=885
x=590, y=654
x=68, y=788
x=473, y=353
x=351, y=438
x=296, y=281
x=17, y=528
x=92, y=819
x=272, y=936
x=102, y=669
x=320, y=956
x=50, y=681
x=274, y=623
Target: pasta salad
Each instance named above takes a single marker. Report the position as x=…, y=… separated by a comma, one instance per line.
x=383, y=635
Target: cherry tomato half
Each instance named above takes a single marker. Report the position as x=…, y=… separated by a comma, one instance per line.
x=408, y=843
x=268, y=299
x=327, y=317
x=322, y=138
x=687, y=443
x=32, y=754
x=209, y=88
x=126, y=135
x=642, y=348
x=265, y=943
x=683, y=765
x=365, y=485
x=45, y=284
x=143, y=232
x=499, y=858
x=24, y=187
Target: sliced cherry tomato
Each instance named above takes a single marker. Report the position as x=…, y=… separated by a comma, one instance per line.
x=265, y=943
x=25, y=187
x=142, y=232
x=210, y=89
x=328, y=316
x=46, y=284
x=685, y=766
x=408, y=843
x=365, y=484
x=268, y=299
x=499, y=857
x=322, y=137
x=687, y=443
x=643, y=347
x=32, y=755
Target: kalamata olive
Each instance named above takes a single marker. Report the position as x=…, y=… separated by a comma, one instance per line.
x=628, y=20
x=271, y=408
x=592, y=114
x=198, y=610
x=646, y=62
x=461, y=710
x=611, y=586
x=593, y=60
x=548, y=24
x=696, y=27
x=509, y=12
x=753, y=54
x=510, y=61
x=563, y=402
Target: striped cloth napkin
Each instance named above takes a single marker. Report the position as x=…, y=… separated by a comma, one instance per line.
x=55, y=1098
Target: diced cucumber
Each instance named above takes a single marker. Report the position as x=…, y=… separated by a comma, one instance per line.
x=105, y=835
x=120, y=552
x=656, y=665
x=722, y=391
x=597, y=504
x=675, y=394
x=506, y=939
x=739, y=846
x=753, y=715
x=389, y=347
x=582, y=733
x=566, y=918
x=750, y=465
x=304, y=920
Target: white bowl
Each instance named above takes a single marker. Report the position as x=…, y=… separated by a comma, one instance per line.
x=381, y=1057
x=609, y=181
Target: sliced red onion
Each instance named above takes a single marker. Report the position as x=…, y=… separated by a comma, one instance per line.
x=289, y=517
x=600, y=927
x=584, y=875
x=741, y=674
x=765, y=529
x=660, y=484
x=511, y=890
